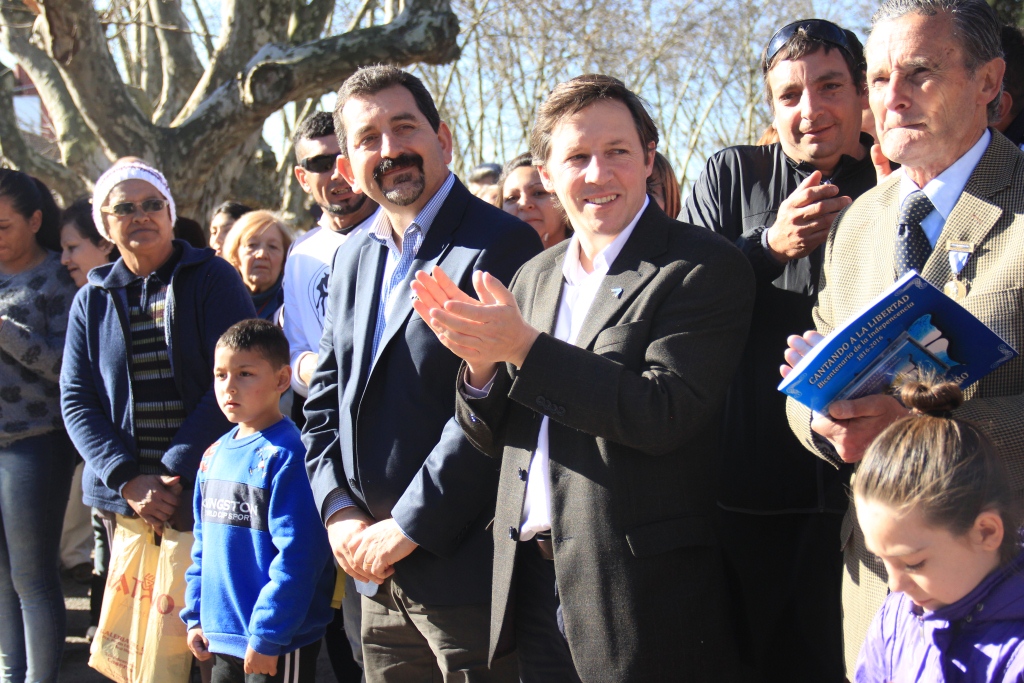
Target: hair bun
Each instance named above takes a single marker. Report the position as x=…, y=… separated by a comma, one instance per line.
x=931, y=396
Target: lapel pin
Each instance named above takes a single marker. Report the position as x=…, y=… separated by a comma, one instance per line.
x=617, y=291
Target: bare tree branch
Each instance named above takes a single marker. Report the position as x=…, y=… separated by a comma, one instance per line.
x=75, y=41
x=308, y=21
x=79, y=148
x=278, y=75
x=21, y=157
x=245, y=28
x=181, y=67
x=207, y=41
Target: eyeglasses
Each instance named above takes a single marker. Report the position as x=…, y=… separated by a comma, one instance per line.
x=125, y=209
x=818, y=29
x=321, y=163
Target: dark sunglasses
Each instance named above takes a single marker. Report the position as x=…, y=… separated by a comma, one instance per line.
x=125, y=209
x=818, y=29
x=321, y=163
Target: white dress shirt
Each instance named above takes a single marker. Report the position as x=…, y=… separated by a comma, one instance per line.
x=944, y=191
x=578, y=293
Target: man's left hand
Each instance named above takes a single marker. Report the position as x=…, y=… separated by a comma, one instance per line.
x=851, y=426
x=381, y=546
x=491, y=330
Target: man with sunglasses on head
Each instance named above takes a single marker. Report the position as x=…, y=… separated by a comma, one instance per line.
x=306, y=272
x=780, y=511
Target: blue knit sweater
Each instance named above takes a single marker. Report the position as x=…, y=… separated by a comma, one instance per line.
x=262, y=572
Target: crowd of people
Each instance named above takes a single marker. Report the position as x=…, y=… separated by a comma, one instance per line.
x=527, y=428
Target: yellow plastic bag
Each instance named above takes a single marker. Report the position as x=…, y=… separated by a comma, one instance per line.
x=141, y=638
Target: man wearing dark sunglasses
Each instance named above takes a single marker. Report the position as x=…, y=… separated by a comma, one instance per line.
x=344, y=213
x=780, y=511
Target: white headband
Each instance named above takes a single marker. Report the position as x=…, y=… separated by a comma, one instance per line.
x=134, y=170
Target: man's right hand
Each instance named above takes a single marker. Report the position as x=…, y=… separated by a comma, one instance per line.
x=804, y=218
x=344, y=532
x=155, y=498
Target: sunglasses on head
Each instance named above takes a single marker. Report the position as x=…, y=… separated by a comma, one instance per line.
x=818, y=29
x=125, y=209
x=321, y=163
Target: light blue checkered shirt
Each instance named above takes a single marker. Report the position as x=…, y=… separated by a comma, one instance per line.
x=395, y=271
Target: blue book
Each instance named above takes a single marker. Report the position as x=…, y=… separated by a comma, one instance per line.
x=911, y=328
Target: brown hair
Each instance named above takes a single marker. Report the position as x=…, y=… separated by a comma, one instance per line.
x=663, y=175
x=575, y=95
x=944, y=467
x=369, y=81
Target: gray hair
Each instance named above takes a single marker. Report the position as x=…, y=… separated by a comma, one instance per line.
x=975, y=27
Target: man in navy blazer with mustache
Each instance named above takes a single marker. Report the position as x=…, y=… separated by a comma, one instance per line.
x=405, y=497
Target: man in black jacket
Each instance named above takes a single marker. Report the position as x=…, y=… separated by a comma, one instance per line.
x=779, y=510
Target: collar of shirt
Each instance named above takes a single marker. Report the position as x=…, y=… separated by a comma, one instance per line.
x=382, y=232
x=572, y=269
x=945, y=189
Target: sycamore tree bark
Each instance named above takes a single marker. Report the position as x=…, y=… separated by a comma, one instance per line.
x=201, y=127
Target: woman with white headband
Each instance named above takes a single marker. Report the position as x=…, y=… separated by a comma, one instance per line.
x=137, y=380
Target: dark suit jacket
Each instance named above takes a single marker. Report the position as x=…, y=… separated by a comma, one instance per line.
x=387, y=434
x=634, y=410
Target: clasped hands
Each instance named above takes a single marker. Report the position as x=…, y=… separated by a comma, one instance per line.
x=482, y=332
x=851, y=425
x=367, y=550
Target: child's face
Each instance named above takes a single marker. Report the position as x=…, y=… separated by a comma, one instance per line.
x=248, y=387
x=929, y=564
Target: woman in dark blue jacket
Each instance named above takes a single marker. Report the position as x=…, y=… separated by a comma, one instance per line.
x=137, y=380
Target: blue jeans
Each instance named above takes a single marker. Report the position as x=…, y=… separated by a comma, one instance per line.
x=35, y=479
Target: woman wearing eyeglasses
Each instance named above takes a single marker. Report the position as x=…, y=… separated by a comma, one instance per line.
x=36, y=459
x=137, y=380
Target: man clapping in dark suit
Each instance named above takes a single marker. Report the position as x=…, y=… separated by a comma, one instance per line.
x=598, y=381
x=406, y=499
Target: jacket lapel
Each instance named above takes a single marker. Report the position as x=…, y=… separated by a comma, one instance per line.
x=628, y=275
x=547, y=296
x=435, y=247
x=973, y=216
x=367, y=299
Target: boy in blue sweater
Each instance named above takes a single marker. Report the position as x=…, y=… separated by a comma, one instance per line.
x=259, y=589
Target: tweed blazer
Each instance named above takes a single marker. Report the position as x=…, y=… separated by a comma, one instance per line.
x=634, y=411
x=860, y=263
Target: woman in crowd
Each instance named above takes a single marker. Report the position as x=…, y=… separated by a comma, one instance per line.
x=223, y=219
x=663, y=186
x=935, y=506
x=257, y=247
x=137, y=380
x=82, y=246
x=523, y=195
x=36, y=459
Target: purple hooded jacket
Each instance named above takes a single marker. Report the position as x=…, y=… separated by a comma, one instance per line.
x=979, y=639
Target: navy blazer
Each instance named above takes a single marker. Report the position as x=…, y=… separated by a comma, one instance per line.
x=387, y=434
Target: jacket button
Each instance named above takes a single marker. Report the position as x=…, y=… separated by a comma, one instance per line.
x=541, y=401
x=560, y=411
x=513, y=533
x=522, y=474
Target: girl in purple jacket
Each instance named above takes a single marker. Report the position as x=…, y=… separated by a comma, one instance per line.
x=935, y=505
